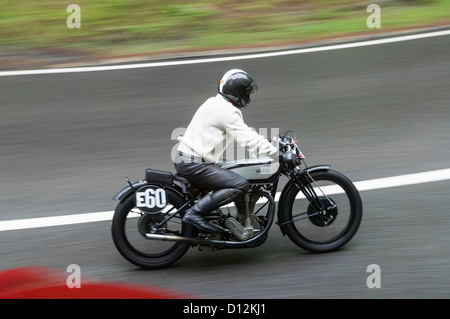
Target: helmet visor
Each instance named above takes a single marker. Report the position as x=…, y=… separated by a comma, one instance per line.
x=252, y=88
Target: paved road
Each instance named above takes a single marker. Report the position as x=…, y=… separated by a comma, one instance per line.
x=67, y=141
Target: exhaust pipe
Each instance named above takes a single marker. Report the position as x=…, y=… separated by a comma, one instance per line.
x=195, y=241
x=206, y=242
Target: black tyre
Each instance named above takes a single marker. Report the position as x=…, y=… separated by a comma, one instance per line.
x=328, y=222
x=129, y=226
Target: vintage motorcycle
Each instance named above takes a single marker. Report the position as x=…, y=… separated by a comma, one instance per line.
x=319, y=209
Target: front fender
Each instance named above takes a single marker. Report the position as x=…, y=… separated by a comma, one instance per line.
x=287, y=188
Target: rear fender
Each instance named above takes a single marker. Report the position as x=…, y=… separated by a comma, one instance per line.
x=129, y=189
x=288, y=187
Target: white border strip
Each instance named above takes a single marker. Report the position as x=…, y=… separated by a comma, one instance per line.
x=232, y=58
x=379, y=183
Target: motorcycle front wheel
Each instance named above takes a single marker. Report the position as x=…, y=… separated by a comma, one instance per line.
x=129, y=226
x=323, y=214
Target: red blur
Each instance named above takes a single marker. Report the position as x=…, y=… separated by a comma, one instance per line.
x=45, y=283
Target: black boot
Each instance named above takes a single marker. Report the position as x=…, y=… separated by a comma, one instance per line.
x=194, y=215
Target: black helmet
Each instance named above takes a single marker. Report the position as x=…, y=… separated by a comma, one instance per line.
x=237, y=86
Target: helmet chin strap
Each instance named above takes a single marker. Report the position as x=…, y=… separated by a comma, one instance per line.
x=245, y=106
x=242, y=101
x=226, y=98
x=235, y=104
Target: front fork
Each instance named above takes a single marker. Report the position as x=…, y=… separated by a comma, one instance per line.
x=320, y=205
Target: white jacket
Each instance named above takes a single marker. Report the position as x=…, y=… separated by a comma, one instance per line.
x=214, y=126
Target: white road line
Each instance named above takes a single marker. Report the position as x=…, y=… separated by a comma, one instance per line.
x=228, y=58
x=379, y=183
x=54, y=221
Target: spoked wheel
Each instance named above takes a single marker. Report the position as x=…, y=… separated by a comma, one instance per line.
x=325, y=214
x=129, y=226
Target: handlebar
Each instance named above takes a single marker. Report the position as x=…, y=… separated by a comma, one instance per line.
x=289, y=151
x=282, y=140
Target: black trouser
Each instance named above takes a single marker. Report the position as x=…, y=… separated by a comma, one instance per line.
x=226, y=185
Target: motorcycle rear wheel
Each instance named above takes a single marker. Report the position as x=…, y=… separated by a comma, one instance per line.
x=129, y=226
x=331, y=227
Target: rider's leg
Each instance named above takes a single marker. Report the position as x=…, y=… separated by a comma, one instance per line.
x=225, y=186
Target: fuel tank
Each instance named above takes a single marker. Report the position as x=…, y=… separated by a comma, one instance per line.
x=259, y=170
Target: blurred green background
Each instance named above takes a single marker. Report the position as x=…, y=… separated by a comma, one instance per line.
x=112, y=27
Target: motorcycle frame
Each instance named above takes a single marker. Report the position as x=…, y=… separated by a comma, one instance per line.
x=182, y=191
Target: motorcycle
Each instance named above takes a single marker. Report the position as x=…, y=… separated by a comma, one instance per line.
x=319, y=209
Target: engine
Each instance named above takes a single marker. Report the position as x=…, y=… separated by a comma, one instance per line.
x=246, y=224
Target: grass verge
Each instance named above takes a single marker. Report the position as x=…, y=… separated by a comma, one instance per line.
x=112, y=27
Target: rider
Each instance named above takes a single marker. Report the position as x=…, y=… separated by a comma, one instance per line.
x=215, y=121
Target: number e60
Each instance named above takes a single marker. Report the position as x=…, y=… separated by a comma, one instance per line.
x=153, y=199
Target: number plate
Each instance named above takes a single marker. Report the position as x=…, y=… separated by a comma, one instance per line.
x=151, y=199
